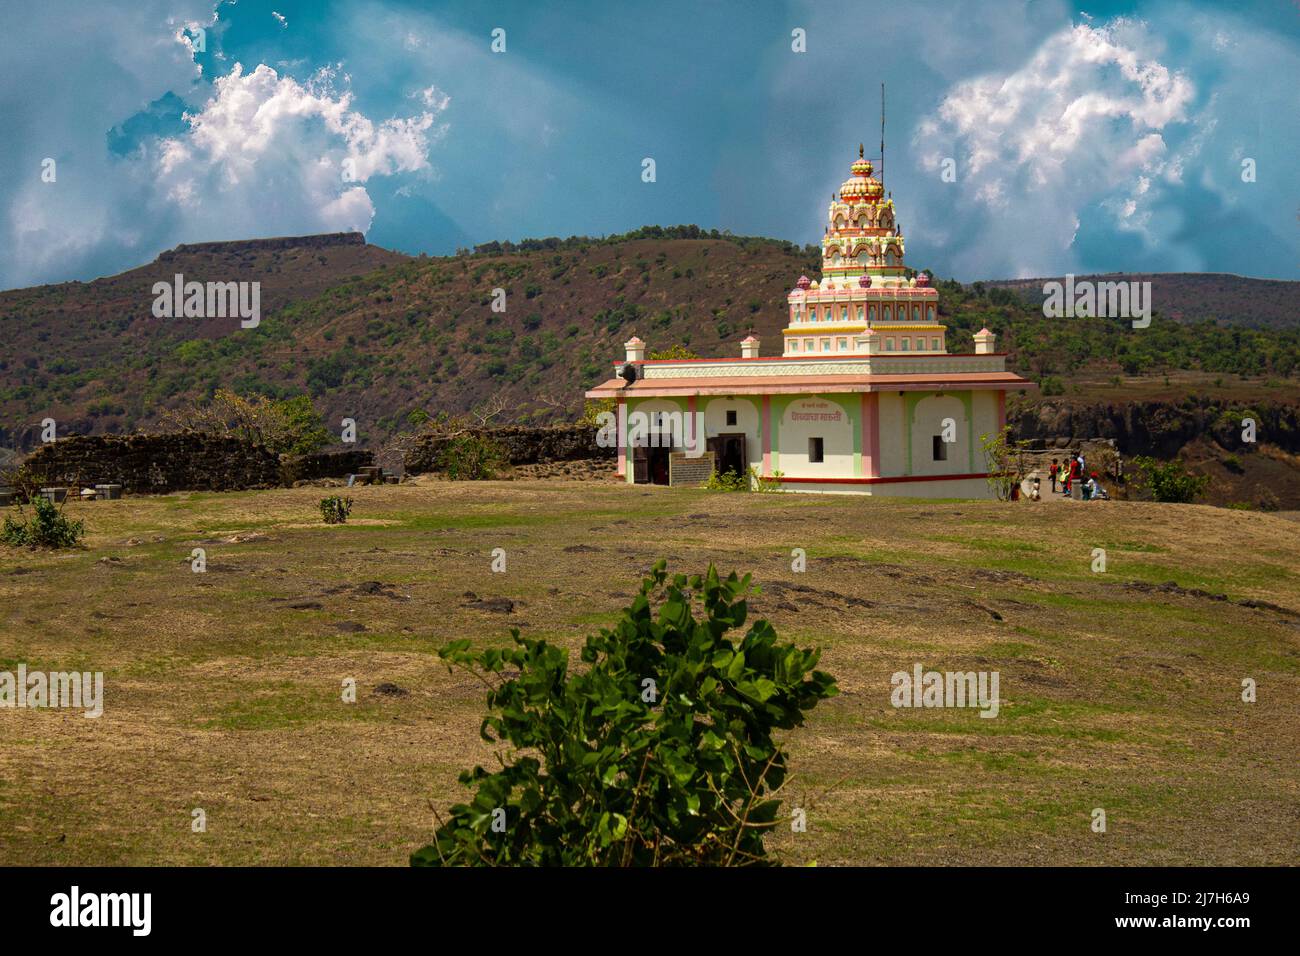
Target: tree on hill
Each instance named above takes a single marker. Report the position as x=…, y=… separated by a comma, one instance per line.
x=289, y=426
x=673, y=352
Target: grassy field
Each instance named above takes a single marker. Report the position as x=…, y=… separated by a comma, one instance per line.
x=223, y=689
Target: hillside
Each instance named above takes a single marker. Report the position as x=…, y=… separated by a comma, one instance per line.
x=1197, y=296
x=374, y=335
x=91, y=355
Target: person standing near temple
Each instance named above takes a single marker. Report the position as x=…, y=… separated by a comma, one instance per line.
x=1052, y=472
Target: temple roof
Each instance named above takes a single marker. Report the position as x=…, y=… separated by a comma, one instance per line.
x=806, y=384
x=860, y=186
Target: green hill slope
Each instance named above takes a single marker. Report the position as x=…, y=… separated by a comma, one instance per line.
x=374, y=335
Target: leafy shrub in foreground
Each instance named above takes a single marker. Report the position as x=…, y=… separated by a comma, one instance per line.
x=335, y=510
x=659, y=753
x=47, y=528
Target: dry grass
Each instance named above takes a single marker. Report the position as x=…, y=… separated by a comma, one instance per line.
x=221, y=695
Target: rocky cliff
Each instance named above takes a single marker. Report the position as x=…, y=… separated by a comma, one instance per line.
x=1160, y=429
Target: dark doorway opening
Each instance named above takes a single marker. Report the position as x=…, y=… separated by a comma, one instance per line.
x=650, y=464
x=729, y=453
x=658, y=466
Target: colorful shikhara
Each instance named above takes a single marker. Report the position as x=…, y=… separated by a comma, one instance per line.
x=864, y=398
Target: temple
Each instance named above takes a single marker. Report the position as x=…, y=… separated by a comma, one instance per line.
x=864, y=397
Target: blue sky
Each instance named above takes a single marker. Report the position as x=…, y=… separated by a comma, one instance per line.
x=1076, y=137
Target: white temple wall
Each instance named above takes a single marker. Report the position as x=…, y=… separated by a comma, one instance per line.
x=977, y=488
x=815, y=417
x=927, y=422
x=749, y=420
x=893, y=437
x=986, y=423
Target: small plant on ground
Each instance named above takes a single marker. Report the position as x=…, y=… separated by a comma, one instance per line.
x=47, y=528
x=660, y=752
x=335, y=510
x=727, y=481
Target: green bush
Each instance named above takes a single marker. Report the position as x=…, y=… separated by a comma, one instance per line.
x=470, y=458
x=335, y=510
x=727, y=481
x=659, y=753
x=303, y=428
x=47, y=528
x=1170, y=481
x=750, y=481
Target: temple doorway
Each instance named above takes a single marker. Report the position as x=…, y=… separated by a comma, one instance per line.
x=658, y=465
x=729, y=453
x=650, y=464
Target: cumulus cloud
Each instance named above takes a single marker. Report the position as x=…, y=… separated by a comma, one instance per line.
x=1080, y=125
x=1116, y=145
x=265, y=143
x=256, y=152
x=68, y=89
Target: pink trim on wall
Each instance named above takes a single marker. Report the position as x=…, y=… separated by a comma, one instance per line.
x=767, y=435
x=819, y=357
x=621, y=412
x=871, y=434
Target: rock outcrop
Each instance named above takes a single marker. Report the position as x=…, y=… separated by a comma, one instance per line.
x=1159, y=429
x=156, y=464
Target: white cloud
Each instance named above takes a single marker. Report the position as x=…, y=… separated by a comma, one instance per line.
x=1062, y=103
x=68, y=88
x=433, y=98
x=1080, y=125
x=266, y=149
